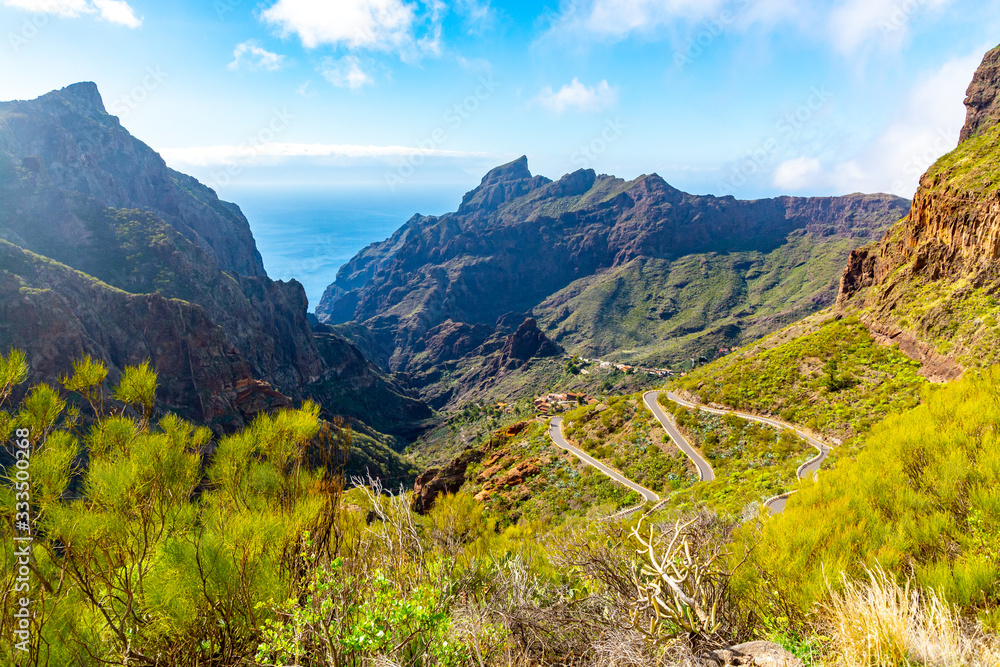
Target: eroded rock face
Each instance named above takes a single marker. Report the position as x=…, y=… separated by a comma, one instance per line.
x=57, y=315
x=150, y=264
x=438, y=481
x=440, y=283
x=85, y=149
x=983, y=97
x=949, y=244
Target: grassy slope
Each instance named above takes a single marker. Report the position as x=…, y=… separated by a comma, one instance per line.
x=924, y=501
x=973, y=167
x=373, y=453
x=540, y=376
x=752, y=462
x=622, y=433
x=957, y=316
x=787, y=375
x=653, y=310
x=563, y=486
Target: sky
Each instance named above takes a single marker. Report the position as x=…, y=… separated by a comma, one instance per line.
x=751, y=98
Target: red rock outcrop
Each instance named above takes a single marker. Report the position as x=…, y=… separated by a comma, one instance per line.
x=983, y=97
x=949, y=244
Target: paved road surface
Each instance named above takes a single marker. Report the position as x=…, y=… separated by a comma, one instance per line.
x=807, y=469
x=705, y=472
x=777, y=505
x=810, y=467
x=555, y=432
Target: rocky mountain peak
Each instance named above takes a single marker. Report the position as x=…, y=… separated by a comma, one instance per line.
x=501, y=185
x=983, y=97
x=85, y=92
x=512, y=171
x=68, y=135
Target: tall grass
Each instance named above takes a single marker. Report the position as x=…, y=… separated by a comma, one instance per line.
x=878, y=623
x=920, y=500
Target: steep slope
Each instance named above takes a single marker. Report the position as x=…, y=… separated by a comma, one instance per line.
x=605, y=265
x=76, y=188
x=85, y=149
x=931, y=283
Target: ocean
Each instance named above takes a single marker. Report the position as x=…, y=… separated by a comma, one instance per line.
x=308, y=233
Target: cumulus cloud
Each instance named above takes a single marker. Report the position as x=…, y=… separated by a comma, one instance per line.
x=202, y=156
x=576, y=96
x=118, y=11
x=925, y=128
x=251, y=55
x=373, y=24
x=113, y=11
x=345, y=73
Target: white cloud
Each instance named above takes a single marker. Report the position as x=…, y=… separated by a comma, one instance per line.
x=252, y=56
x=479, y=15
x=215, y=155
x=621, y=17
x=847, y=25
x=118, y=11
x=856, y=22
x=113, y=11
x=926, y=127
x=797, y=174
x=578, y=97
x=70, y=8
x=345, y=73
x=372, y=24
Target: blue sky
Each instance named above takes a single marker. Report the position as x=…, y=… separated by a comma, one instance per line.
x=745, y=97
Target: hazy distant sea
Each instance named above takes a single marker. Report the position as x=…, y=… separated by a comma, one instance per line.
x=308, y=233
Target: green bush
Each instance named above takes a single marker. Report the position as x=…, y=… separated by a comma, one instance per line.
x=922, y=498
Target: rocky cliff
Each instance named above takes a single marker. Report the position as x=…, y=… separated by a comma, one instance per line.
x=85, y=149
x=932, y=282
x=983, y=97
x=603, y=264
x=146, y=253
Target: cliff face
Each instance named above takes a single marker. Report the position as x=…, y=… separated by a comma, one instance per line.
x=76, y=188
x=983, y=97
x=57, y=315
x=525, y=244
x=931, y=283
x=86, y=150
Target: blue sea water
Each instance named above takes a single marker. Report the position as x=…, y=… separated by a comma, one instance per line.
x=308, y=233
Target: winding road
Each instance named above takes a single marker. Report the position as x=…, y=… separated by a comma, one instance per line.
x=555, y=432
x=705, y=472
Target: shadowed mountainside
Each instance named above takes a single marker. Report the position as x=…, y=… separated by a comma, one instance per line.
x=636, y=269
x=110, y=253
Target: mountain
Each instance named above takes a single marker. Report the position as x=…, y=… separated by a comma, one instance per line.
x=931, y=284
x=635, y=269
x=85, y=150
x=108, y=252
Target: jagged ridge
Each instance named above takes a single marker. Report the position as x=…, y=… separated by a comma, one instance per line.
x=524, y=244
